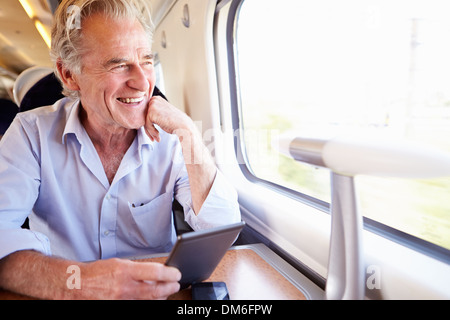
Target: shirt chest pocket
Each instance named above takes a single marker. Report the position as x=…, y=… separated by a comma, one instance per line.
x=152, y=222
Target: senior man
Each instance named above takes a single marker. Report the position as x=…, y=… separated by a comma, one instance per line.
x=96, y=173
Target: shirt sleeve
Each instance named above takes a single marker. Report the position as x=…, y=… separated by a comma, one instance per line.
x=19, y=187
x=221, y=207
x=18, y=239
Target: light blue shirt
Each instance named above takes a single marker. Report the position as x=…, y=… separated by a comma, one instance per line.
x=51, y=173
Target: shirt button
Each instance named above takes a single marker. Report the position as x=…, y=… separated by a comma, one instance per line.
x=108, y=196
x=106, y=232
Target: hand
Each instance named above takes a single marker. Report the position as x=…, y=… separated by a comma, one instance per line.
x=169, y=118
x=199, y=163
x=124, y=279
x=33, y=274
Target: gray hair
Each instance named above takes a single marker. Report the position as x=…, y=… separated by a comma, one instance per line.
x=66, y=47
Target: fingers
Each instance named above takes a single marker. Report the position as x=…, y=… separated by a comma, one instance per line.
x=158, y=290
x=152, y=132
x=151, y=271
x=153, y=116
x=157, y=280
x=166, y=116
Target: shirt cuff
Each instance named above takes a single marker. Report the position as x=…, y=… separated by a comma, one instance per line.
x=221, y=207
x=13, y=240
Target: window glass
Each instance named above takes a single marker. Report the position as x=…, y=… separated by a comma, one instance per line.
x=326, y=68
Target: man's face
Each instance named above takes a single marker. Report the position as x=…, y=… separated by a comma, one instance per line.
x=117, y=77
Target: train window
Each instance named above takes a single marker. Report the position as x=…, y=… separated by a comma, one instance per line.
x=323, y=68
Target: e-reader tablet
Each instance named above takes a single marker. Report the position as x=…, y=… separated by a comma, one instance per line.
x=196, y=254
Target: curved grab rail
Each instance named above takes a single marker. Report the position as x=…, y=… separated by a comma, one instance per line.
x=347, y=157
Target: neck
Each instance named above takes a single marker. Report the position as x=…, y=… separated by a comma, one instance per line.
x=111, y=143
x=107, y=137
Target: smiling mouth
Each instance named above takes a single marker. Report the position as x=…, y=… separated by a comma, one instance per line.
x=131, y=100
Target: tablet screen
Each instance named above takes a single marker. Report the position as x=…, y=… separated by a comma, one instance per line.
x=196, y=254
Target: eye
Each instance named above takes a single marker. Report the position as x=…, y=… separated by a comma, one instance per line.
x=120, y=67
x=147, y=63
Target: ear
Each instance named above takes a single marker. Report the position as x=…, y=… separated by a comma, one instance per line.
x=67, y=76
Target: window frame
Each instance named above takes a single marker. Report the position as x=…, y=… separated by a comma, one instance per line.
x=410, y=241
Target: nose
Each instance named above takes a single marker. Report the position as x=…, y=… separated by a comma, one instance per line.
x=139, y=78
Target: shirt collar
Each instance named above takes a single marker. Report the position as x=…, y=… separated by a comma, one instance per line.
x=143, y=138
x=73, y=124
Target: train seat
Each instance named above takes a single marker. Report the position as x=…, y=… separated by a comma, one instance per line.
x=8, y=111
x=26, y=80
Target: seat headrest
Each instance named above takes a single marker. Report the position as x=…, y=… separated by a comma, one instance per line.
x=45, y=92
x=28, y=79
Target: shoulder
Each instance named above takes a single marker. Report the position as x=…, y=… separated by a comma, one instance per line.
x=42, y=121
x=50, y=112
x=44, y=118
